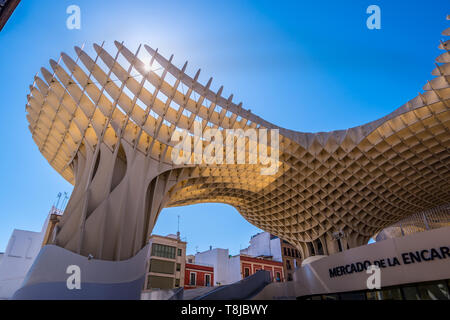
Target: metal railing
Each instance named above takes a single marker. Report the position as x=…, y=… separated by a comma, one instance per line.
x=431, y=219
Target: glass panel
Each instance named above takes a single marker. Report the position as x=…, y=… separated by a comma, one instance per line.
x=435, y=291
x=330, y=297
x=390, y=294
x=410, y=293
x=161, y=282
x=353, y=296
x=288, y=264
x=161, y=266
x=278, y=277
x=163, y=251
x=372, y=295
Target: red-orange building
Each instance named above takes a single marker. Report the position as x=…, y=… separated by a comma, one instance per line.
x=197, y=275
x=249, y=265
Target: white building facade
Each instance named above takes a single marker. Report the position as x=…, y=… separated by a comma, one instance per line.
x=227, y=269
x=21, y=251
x=264, y=244
x=219, y=259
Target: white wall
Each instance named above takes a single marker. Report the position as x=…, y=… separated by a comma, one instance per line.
x=234, y=269
x=23, y=247
x=275, y=249
x=261, y=245
x=227, y=269
x=218, y=258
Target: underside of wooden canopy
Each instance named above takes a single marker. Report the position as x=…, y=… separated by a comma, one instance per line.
x=105, y=124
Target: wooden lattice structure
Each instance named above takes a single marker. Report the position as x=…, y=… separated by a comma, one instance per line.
x=106, y=127
x=435, y=218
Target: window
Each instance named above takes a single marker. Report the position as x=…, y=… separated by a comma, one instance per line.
x=192, y=279
x=163, y=251
x=385, y=294
x=177, y=283
x=207, y=280
x=410, y=293
x=353, y=296
x=319, y=247
x=372, y=295
x=180, y=252
x=178, y=267
x=289, y=251
x=339, y=245
x=278, y=277
x=288, y=265
x=161, y=266
x=246, y=272
x=159, y=282
x=312, y=252
x=391, y=294
x=285, y=251
x=330, y=297
x=435, y=291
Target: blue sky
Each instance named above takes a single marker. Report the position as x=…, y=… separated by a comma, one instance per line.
x=304, y=65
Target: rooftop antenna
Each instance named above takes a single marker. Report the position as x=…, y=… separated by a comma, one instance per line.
x=178, y=230
x=64, y=202
x=59, y=198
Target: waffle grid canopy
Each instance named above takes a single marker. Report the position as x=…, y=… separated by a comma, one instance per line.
x=105, y=123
